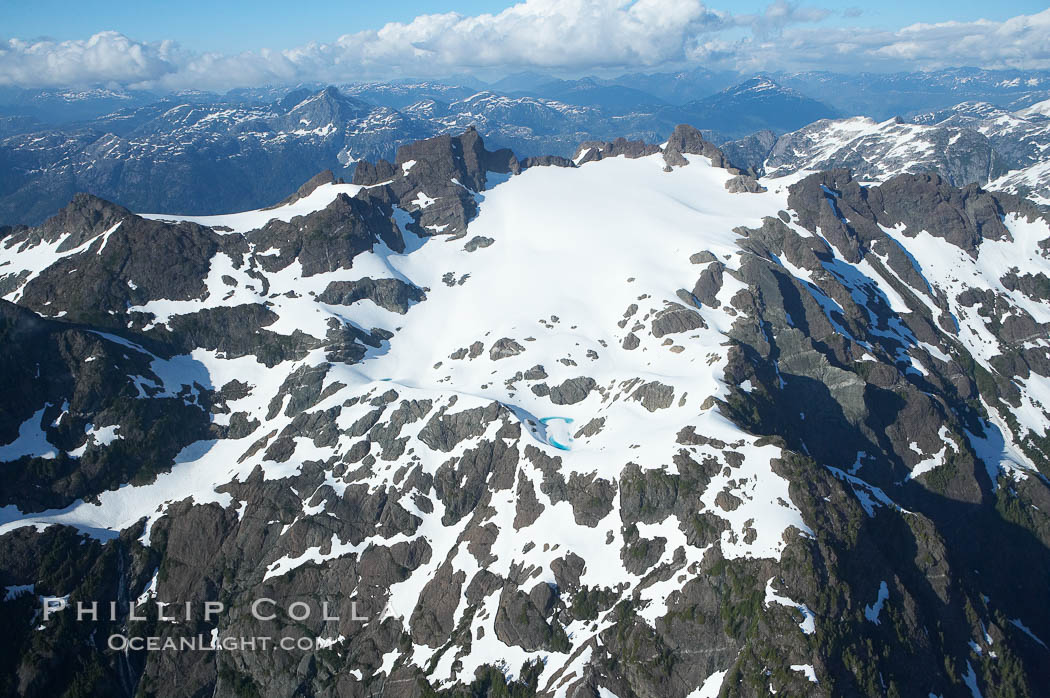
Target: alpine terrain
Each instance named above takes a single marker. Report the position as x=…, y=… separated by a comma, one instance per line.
x=629, y=421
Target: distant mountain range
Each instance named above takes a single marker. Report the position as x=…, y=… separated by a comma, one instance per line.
x=878, y=95
x=192, y=153
x=198, y=152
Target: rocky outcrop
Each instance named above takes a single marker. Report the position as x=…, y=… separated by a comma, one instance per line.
x=744, y=184
x=546, y=161
x=328, y=239
x=687, y=139
x=436, y=180
x=390, y=294
x=675, y=318
x=592, y=151
x=505, y=348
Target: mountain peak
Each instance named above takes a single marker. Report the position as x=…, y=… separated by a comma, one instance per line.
x=444, y=158
x=759, y=83
x=85, y=217
x=755, y=104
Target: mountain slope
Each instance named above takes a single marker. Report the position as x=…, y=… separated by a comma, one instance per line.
x=807, y=447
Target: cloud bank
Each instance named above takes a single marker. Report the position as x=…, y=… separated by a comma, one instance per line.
x=556, y=35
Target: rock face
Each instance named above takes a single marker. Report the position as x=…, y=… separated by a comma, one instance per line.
x=750, y=152
x=603, y=426
x=438, y=179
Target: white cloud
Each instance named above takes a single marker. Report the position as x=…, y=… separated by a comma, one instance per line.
x=1019, y=42
x=553, y=34
x=567, y=35
x=107, y=57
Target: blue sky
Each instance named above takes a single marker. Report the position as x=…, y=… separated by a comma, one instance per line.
x=220, y=44
x=241, y=25
x=218, y=25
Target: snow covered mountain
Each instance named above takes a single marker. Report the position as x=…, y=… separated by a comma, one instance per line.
x=972, y=142
x=1022, y=138
x=627, y=424
x=877, y=151
x=60, y=106
x=196, y=152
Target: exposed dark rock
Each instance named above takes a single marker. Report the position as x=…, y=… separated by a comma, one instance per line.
x=328, y=239
x=744, y=184
x=390, y=294
x=505, y=348
x=477, y=242
x=546, y=161
x=572, y=390
x=591, y=151
x=675, y=318
x=654, y=395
